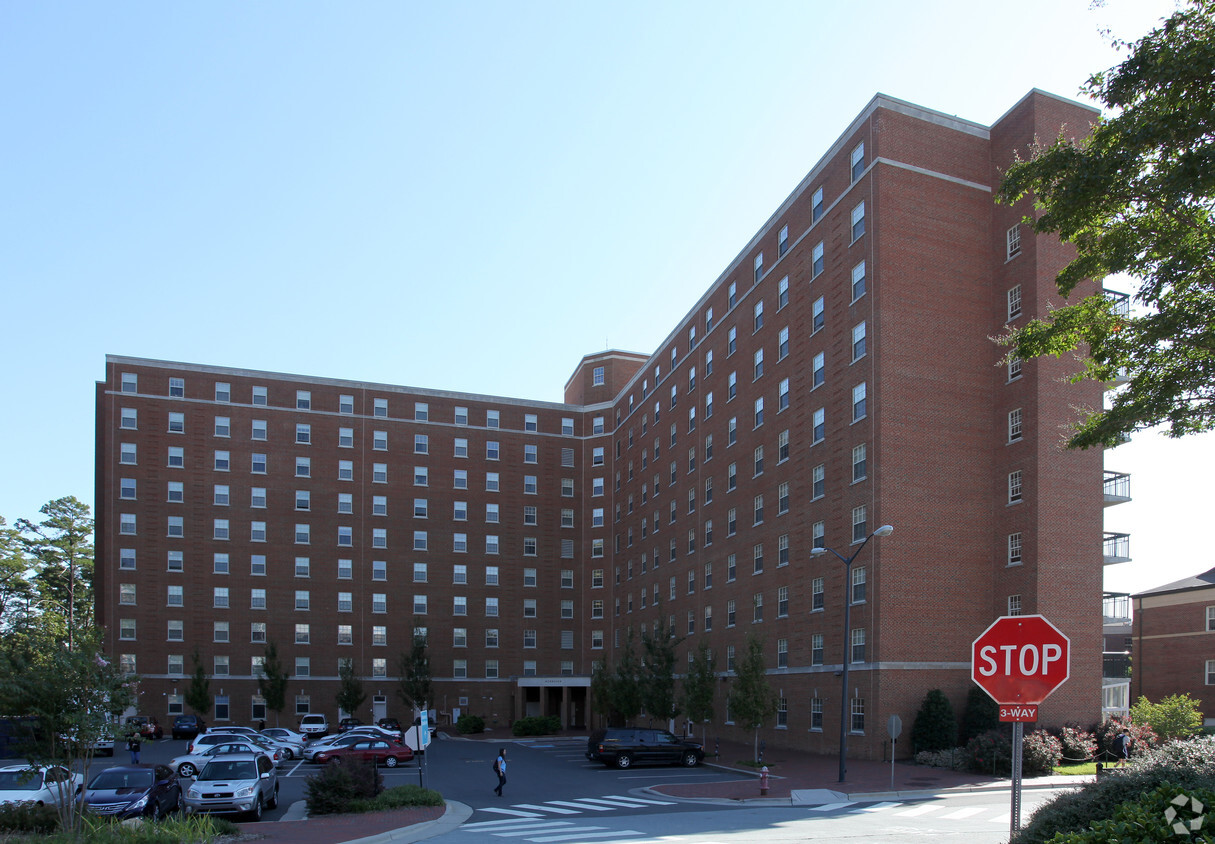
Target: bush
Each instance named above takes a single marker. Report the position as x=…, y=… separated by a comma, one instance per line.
x=954, y=758
x=400, y=797
x=935, y=726
x=27, y=817
x=990, y=753
x=333, y=789
x=1186, y=765
x=1142, y=737
x=1174, y=717
x=537, y=725
x=1040, y=753
x=982, y=714
x=1079, y=745
x=468, y=724
x=1144, y=819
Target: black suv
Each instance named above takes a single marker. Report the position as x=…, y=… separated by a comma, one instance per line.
x=624, y=747
x=188, y=726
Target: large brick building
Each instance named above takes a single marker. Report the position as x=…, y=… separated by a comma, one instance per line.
x=837, y=376
x=1174, y=641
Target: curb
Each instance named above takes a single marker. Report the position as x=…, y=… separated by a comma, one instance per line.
x=454, y=815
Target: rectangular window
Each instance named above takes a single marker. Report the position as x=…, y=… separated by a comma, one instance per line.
x=818, y=261
x=380, y=408
x=345, y=569
x=1014, y=368
x=858, y=715
x=759, y=411
x=758, y=368
x=223, y=391
x=820, y=426
x=860, y=523
x=1014, y=425
x=257, y=599
x=223, y=460
x=421, y=444
x=177, y=388
x=257, y=632
x=858, y=221
x=175, y=597
x=859, y=404
x=782, y=241
x=818, y=320
x=782, y=396
x=1014, y=303
x=816, y=205
x=857, y=161
x=1012, y=242
x=220, y=596
x=858, y=341
x=816, y=594
x=1014, y=549
x=758, y=319
x=858, y=585
x=303, y=467
x=858, y=281
x=858, y=644
x=1014, y=604
x=1014, y=486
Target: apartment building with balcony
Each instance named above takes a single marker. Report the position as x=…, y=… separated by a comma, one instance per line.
x=836, y=376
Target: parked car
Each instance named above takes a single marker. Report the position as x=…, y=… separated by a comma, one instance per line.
x=217, y=736
x=290, y=749
x=313, y=748
x=389, y=724
x=283, y=734
x=132, y=791
x=103, y=741
x=625, y=747
x=145, y=725
x=377, y=750
x=234, y=784
x=44, y=786
x=189, y=764
x=348, y=724
x=314, y=725
x=188, y=726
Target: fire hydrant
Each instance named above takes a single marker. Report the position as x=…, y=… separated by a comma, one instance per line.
x=763, y=781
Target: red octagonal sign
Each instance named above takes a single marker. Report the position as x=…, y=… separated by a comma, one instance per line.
x=1020, y=659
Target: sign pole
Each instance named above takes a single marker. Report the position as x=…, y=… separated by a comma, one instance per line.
x=1017, y=736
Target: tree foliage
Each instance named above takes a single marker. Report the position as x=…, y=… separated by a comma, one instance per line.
x=752, y=700
x=627, y=701
x=935, y=726
x=1174, y=717
x=414, y=688
x=700, y=684
x=198, y=693
x=272, y=684
x=350, y=695
x=1136, y=197
x=61, y=551
x=658, y=672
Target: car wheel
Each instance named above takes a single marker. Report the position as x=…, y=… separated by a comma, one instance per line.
x=623, y=761
x=273, y=804
x=255, y=813
x=689, y=759
x=288, y=752
x=391, y=761
x=186, y=769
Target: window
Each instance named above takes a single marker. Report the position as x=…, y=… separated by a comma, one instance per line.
x=461, y=416
x=177, y=388
x=491, y=575
x=731, y=617
x=345, y=437
x=858, y=585
x=782, y=241
x=858, y=402
x=345, y=404
x=491, y=607
x=758, y=320
x=759, y=266
x=820, y=426
x=816, y=205
x=858, y=221
x=731, y=340
x=460, y=479
x=220, y=596
x=758, y=367
x=1014, y=368
x=818, y=319
x=345, y=502
x=1014, y=425
x=818, y=261
x=491, y=544
x=529, y=484
x=858, y=715
x=127, y=526
x=177, y=632
x=531, y=422
x=858, y=281
x=303, y=467
x=758, y=550
x=461, y=447
x=1012, y=242
x=419, y=605
x=257, y=497
x=858, y=341
x=303, y=668
x=860, y=523
x=492, y=419
x=596, y=456
x=597, y=378
x=126, y=558
x=419, y=572
x=223, y=391
x=858, y=644
x=1014, y=303
x=219, y=564
x=782, y=344
x=379, y=569
x=126, y=489
x=419, y=540
x=175, y=597
x=379, y=505
x=859, y=463
x=257, y=599
x=257, y=632
x=1014, y=486
x=1014, y=549
x=379, y=440
x=177, y=423
x=858, y=161
x=1210, y=619
x=345, y=569
x=129, y=419
x=257, y=464
x=303, y=634
x=492, y=484
x=421, y=444
x=380, y=408
x=223, y=461
x=379, y=537
x=492, y=514
x=782, y=395
x=303, y=434
x=818, y=481
x=759, y=411
x=303, y=534
x=1014, y=604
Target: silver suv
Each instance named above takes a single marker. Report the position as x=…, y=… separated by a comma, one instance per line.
x=238, y=783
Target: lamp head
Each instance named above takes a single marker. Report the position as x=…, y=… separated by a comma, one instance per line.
x=884, y=530
x=814, y=552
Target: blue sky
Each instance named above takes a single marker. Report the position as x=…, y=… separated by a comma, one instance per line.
x=224, y=182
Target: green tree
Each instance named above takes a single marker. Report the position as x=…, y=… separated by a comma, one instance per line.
x=198, y=693
x=1136, y=197
x=603, y=692
x=350, y=694
x=935, y=726
x=658, y=672
x=627, y=699
x=752, y=700
x=15, y=588
x=700, y=686
x=414, y=688
x=1176, y=716
x=982, y=714
x=62, y=548
x=272, y=684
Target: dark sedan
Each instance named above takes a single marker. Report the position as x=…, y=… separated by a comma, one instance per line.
x=131, y=791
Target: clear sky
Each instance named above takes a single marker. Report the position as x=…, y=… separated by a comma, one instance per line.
x=226, y=182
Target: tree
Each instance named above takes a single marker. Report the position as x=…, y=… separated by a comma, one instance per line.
x=752, y=700
x=603, y=691
x=61, y=545
x=700, y=686
x=627, y=700
x=1175, y=717
x=350, y=694
x=982, y=714
x=198, y=693
x=415, y=689
x=658, y=672
x=272, y=684
x=15, y=588
x=1136, y=197
x=935, y=726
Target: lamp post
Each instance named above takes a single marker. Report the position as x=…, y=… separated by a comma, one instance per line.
x=884, y=530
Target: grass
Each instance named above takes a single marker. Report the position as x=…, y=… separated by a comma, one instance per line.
x=1078, y=769
x=180, y=829
x=400, y=797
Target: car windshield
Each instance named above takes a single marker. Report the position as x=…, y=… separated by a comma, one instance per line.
x=20, y=780
x=231, y=770
x=112, y=780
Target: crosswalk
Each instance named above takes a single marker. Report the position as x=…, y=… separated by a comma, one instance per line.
x=574, y=807
x=940, y=810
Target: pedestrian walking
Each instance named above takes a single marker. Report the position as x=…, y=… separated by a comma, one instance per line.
x=1122, y=746
x=500, y=770
x=133, y=747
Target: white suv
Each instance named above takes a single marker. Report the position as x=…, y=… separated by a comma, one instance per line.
x=314, y=726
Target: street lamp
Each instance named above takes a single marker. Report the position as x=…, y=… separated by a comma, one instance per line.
x=884, y=530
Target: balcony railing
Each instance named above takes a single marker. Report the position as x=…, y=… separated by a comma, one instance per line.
x=1117, y=488
x=1115, y=665
x=1117, y=548
x=1115, y=608
x=1122, y=301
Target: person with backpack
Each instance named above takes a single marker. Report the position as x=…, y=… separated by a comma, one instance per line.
x=500, y=770
x=133, y=746
x=1122, y=746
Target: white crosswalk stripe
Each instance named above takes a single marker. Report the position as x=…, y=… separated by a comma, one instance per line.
x=879, y=807
x=582, y=834
x=831, y=807
x=544, y=807
x=922, y=809
x=968, y=812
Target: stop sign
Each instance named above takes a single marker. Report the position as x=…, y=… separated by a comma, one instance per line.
x=1020, y=659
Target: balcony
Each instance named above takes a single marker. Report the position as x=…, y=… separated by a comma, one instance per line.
x=1122, y=301
x=1117, y=548
x=1116, y=609
x=1117, y=488
x=1115, y=665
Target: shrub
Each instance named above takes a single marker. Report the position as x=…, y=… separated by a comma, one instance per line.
x=537, y=725
x=467, y=724
x=1176, y=716
x=982, y=714
x=1145, y=819
x=935, y=726
x=990, y=753
x=1141, y=735
x=400, y=797
x=1040, y=753
x=27, y=817
x=1079, y=745
x=954, y=758
x=1197, y=752
x=336, y=787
